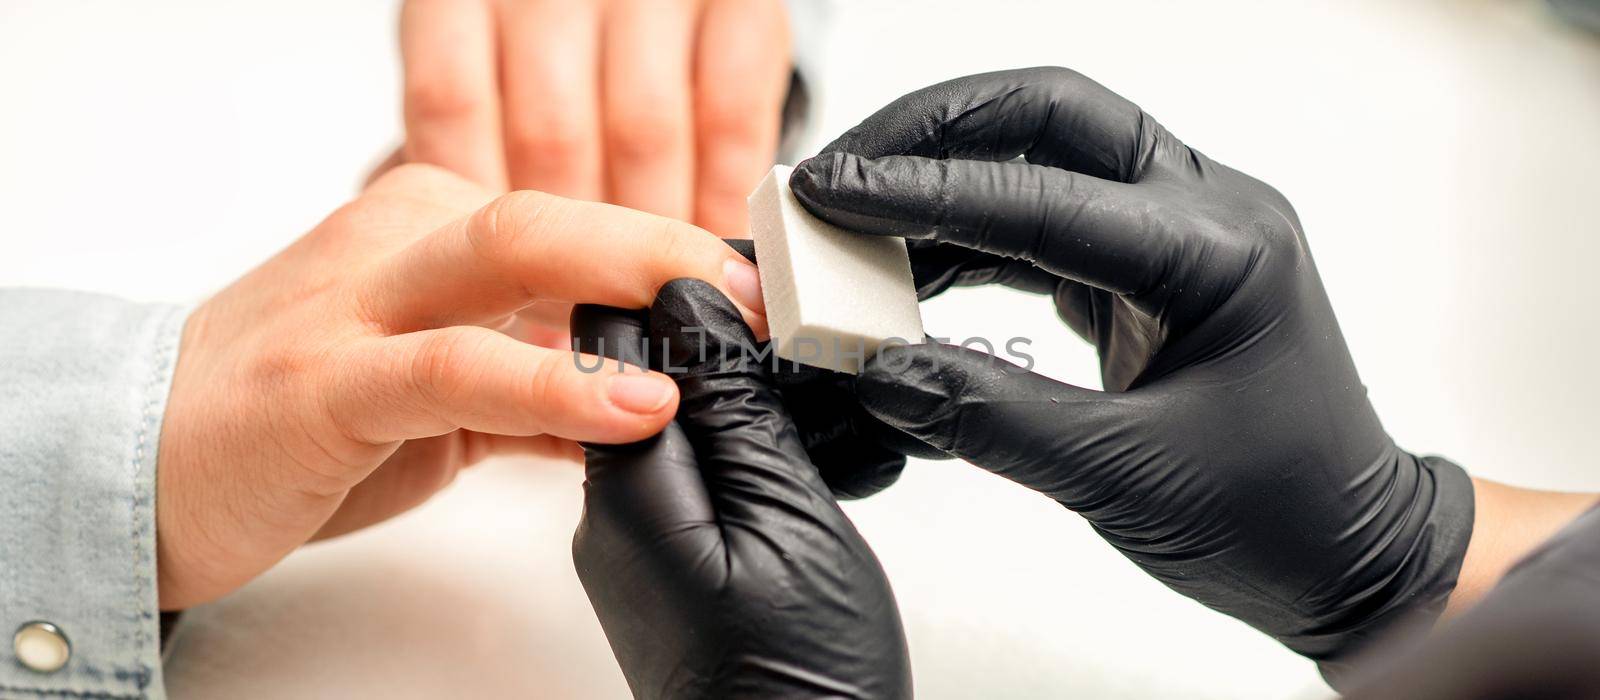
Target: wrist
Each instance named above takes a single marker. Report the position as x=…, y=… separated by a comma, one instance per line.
x=1508, y=523
x=1405, y=579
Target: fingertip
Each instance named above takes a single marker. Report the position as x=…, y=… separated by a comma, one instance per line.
x=644, y=395
x=811, y=178
x=744, y=285
x=640, y=404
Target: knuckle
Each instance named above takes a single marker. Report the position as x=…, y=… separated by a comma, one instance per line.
x=550, y=141
x=511, y=221
x=349, y=217
x=437, y=98
x=645, y=133
x=723, y=195
x=544, y=377
x=747, y=115
x=279, y=367
x=445, y=364
x=1061, y=74
x=414, y=177
x=547, y=382
x=676, y=248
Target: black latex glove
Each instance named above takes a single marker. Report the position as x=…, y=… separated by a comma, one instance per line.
x=856, y=453
x=1234, y=455
x=714, y=555
x=1536, y=635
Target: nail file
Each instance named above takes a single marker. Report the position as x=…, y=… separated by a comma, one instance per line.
x=834, y=297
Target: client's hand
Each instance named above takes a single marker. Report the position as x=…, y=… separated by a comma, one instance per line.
x=667, y=106
x=670, y=107
x=353, y=374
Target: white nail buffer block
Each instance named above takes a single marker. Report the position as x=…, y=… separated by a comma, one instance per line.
x=833, y=296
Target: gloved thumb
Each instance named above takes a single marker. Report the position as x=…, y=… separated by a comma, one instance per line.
x=1052, y=437
x=747, y=443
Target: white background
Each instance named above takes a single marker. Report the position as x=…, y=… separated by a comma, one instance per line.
x=1443, y=154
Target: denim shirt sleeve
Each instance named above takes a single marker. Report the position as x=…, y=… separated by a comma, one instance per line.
x=83, y=385
x=1584, y=13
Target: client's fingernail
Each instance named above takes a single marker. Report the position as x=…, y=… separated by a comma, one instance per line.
x=640, y=393
x=744, y=283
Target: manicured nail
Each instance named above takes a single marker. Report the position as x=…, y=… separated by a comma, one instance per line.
x=640, y=393
x=744, y=283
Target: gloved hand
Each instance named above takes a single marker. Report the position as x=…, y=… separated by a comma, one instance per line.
x=1234, y=454
x=716, y=559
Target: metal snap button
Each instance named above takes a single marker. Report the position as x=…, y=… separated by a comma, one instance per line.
x=41, y=647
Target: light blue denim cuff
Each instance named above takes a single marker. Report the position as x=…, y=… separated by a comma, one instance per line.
x=1585, y=13
x=83, y=386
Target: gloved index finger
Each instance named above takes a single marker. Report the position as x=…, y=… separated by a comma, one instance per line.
x=1051, y=116
x=1098, y=232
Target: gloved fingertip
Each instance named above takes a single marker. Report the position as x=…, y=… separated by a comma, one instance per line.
x=813, y=176
x=830, y=185
x=691, y=321
x=888, y=196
